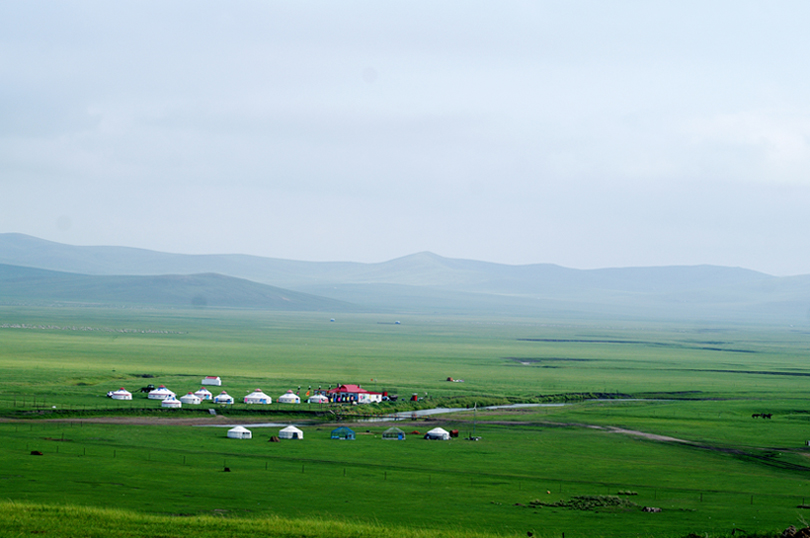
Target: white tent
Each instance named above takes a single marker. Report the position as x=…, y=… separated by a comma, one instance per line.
x=204, y=394
x=171, y=402
x=212, y=380
x=258, y=397
x=438, y=434
x=160, y=393
x=290, y=432
x=318, y=399
x=190, y=398
x=223, y=398
x=120, y=394
x=239, y=433
x=289, y=397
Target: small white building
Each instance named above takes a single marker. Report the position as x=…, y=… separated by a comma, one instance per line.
x=240, y=433
x=438, y=434
x=204, y=394
x=120, y=394
x=223, y=398
x=212, y=380
x=171, y=402
x=289, y=397
x=191, y=399
x=161, y=393
x=258, y=397
x=291, y=432
x=318, y=399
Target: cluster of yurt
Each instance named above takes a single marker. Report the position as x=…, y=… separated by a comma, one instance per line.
x=289, y=397
x=258, y=397
x=341, y=433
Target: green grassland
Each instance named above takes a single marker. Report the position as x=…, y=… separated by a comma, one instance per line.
x=697, y=383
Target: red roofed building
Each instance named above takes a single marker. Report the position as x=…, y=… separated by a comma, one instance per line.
x=353, y=394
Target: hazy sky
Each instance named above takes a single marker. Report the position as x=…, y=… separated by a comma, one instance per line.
x=587, y=134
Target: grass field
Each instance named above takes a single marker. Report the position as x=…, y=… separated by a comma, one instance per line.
x=699, y=384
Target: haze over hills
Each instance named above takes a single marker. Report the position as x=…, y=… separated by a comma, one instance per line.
x=42, y=286
x=422, y=282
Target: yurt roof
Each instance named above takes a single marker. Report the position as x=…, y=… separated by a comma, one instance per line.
x=292, y=429
x=238, y=429
x=342, y=429
x=393, y=429
x=438, y=431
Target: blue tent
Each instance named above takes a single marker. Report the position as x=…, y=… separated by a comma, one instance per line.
x=394, y=433
x=343, y=433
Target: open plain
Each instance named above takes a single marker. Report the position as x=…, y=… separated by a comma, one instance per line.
x=656, y=415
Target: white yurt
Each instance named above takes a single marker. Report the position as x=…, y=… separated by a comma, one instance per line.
x=171, y=402
x=289, y=397
x=223, y=398
x=239, y=433
x=161, y=393
x=318, y=399
x=258, y=397
x=212, y=380
x=204, y=394
x=291, y=432
x=121, y=394
x=439, y=434
x=191, y=399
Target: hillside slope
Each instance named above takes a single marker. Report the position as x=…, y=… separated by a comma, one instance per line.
x=25, y=284
x=425, y=283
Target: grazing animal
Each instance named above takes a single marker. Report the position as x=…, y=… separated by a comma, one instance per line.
x=756, y=415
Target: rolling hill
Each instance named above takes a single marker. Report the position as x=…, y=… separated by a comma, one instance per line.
x=419, y=283
x=41, y=286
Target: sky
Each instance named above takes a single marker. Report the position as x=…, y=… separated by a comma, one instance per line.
x=587, y=134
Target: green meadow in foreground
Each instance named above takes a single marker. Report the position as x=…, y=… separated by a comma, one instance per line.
x=677, y=432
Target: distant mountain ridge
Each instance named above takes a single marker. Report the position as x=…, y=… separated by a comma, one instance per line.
x=426, y=282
